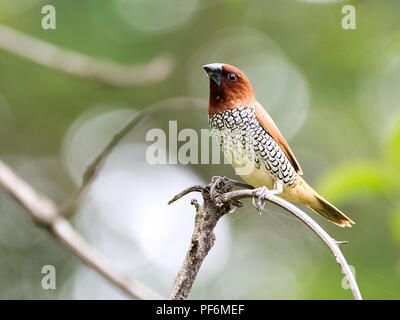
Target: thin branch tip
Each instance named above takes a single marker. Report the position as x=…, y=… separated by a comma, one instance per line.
x=181, y=194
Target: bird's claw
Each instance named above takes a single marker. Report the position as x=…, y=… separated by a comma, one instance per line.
x=230, y=182
x=260, y=199
x=227, y=185
x=213, y=193
x=262, y=193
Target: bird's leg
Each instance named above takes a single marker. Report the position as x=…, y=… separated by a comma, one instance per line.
x=263, y=191
x=278, y=187
x=231, y=183
x=227, y=186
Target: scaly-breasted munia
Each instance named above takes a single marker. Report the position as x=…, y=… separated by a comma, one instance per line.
x=248, y=135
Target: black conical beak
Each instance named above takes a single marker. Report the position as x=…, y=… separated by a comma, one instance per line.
x=214, y=71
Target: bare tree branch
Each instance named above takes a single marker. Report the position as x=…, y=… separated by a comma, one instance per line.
x=45, y=213
x=203, y=238
x=81, y=65
x=185, y=192
x=207, y=216
x=168, y=105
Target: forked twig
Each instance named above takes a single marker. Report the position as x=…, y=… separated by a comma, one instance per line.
x=207, y=216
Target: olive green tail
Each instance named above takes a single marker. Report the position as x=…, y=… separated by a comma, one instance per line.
x=312, y=199
x=329, y=211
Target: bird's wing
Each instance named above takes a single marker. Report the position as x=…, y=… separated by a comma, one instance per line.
x=270, y=126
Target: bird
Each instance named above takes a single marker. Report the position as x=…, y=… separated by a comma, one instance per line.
x=251, y=139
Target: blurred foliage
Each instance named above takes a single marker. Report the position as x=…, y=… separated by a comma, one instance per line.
x=379, y=178
x=349, y=140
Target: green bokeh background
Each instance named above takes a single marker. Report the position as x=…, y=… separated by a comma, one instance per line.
x=352, y=129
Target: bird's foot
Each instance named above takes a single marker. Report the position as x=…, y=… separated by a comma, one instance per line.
x=230, y=182
x=223, y=185
x=263, y=192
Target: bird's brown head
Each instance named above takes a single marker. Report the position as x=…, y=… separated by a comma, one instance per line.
x=229, y=88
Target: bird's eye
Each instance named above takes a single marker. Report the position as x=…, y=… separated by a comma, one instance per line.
x=232, y=77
